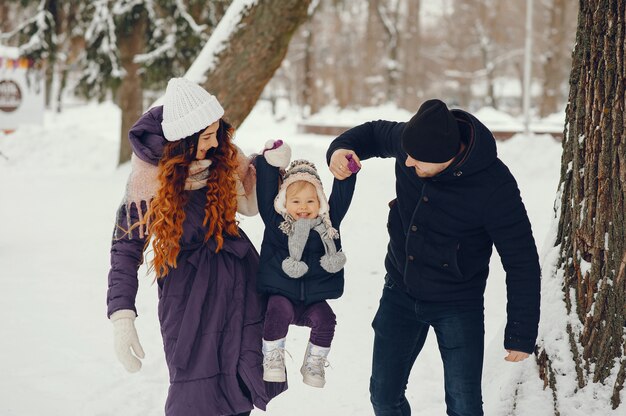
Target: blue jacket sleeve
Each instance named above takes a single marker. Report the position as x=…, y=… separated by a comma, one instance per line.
x=340, y=199
x=372, y=139
x=126, y=257
x=267, y=185
x=508, y=226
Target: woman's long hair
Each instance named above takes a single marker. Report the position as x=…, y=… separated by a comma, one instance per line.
x=165, y=216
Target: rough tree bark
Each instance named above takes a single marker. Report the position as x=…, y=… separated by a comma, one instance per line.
x=131, y=42
x=253, y=53
x=591, y=237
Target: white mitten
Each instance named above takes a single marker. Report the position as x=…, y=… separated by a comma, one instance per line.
x=277, y=153
x=125, y=338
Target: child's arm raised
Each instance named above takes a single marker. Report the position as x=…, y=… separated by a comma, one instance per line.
x=276, y=155
x=340, y=198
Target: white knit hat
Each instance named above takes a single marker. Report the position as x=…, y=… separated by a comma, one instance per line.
x=187, y=109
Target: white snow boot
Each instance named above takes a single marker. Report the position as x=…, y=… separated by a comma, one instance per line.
x=314, y=364
x=274, y=361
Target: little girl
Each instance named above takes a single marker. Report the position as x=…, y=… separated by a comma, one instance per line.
x=301, y=263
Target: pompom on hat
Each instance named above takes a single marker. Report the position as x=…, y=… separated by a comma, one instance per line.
x=187, y=109
x=432, y=135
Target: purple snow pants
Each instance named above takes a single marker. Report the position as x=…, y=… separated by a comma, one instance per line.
x=281, y=313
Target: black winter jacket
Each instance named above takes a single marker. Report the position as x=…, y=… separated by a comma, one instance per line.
x=316, y=284
x=442, y=229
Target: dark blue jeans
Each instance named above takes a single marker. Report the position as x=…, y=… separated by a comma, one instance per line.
x=400, y=327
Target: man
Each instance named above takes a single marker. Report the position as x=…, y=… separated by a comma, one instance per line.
x=454, y=200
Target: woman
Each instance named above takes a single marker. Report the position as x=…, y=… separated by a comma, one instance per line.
x=181, y=199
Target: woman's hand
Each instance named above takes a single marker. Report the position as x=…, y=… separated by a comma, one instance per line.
x=126, y=341
x=246, y=171
x=249, y=179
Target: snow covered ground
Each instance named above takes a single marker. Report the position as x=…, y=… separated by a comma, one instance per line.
x=59, y=188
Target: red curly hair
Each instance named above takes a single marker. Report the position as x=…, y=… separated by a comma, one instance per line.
x=166, y=214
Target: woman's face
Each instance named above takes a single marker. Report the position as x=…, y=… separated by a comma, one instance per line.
x=207, y=140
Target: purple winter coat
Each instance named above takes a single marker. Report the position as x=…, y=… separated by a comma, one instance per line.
x=211, y=316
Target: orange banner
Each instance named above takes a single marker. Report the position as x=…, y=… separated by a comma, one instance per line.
x=22, y=63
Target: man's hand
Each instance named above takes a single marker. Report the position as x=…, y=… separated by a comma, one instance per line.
x=515, y=356
x=339, y=163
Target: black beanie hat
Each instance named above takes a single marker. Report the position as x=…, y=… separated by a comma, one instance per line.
x=432, y=135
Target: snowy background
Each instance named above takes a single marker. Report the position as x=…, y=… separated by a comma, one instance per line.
x=60, y=188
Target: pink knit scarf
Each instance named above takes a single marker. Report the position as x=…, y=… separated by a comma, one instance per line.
x=143, y=184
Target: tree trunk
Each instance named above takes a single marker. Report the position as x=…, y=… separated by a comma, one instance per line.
x=552, y=72
x=591, y=238
x=340, y=72
x=412, y=77
x=57, y=67
x=252, y=54
x=308, y=87
x=6, y=21
x=53, y=8
x=485, y=28
x=131, y=42
x=373, y=56
x=388, y=16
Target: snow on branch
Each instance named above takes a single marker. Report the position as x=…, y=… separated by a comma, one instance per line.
x=122, y=7
x=167, y=47
x=207, y=60
x=182, y=9
x=102, y=25
x=312, y=7
x=42, y=24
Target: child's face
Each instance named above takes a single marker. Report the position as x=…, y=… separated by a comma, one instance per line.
x=301, y=200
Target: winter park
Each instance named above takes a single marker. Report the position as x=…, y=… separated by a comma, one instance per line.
x=305, y=207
